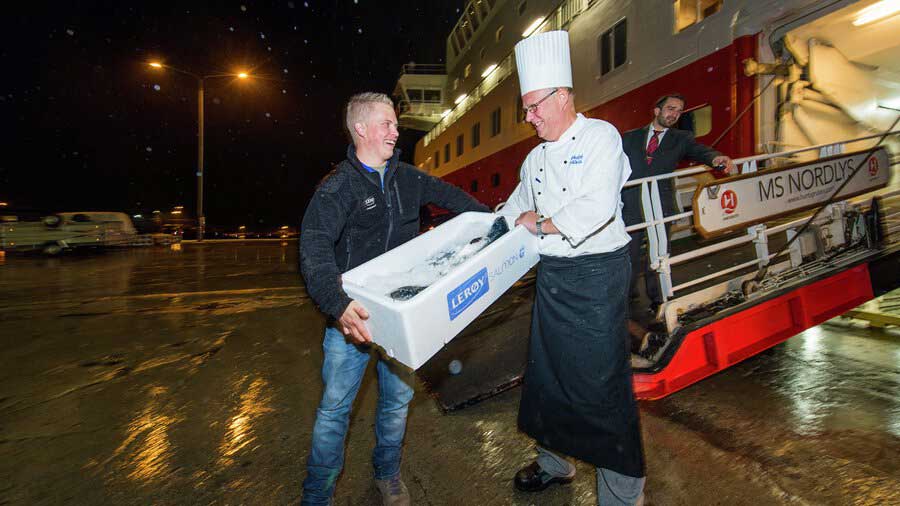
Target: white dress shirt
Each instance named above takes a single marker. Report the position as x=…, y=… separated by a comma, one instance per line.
x=577, y=181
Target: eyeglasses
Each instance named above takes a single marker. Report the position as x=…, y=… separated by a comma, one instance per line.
x=534, y=107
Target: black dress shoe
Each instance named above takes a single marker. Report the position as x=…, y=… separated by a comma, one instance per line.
x=532, y=478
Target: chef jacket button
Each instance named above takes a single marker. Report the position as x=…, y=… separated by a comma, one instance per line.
x=564, y=189
x=542, y=238
x=565, y=161
x=539, y=193
x=573, y=137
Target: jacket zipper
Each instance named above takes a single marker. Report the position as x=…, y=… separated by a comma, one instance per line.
x=347, y=267
x=387, y=198
x=397, y=192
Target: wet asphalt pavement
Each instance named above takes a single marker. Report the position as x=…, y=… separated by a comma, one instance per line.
x=191, y=376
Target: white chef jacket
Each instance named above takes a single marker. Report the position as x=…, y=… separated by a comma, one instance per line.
x=577, y=181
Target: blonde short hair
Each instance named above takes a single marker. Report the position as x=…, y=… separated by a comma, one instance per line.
x=358, y=108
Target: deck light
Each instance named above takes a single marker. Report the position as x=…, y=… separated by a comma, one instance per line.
x=532, y=27
x=877, y=11
x=488, y=70
x=460, y=98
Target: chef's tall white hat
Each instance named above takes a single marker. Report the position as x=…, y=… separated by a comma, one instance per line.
x=543, y=61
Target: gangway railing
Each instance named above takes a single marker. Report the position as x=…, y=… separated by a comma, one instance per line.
x=655, y=226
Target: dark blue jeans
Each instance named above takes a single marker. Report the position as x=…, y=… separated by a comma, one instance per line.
x=342, y=373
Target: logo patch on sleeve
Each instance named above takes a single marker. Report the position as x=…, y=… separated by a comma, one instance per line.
x=576, y=160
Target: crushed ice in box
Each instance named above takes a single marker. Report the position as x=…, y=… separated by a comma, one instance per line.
x=422, y=275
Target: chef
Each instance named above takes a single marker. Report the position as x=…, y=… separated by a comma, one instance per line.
x=577, y=398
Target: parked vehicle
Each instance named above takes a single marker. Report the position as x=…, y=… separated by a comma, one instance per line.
x=61, y=231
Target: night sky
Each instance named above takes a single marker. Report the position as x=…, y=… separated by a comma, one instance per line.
x=90, y=126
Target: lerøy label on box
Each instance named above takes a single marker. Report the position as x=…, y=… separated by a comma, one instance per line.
x=467, y=293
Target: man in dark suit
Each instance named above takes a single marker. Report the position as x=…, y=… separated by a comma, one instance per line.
x=654, y=150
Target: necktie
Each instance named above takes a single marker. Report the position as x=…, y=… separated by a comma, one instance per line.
x=652, y=145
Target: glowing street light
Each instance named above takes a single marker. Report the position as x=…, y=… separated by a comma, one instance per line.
x=201, y=80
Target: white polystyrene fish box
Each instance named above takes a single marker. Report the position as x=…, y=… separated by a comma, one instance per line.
x=459, y=286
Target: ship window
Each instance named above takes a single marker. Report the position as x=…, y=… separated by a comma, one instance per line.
x=437, y=159
x=613, y=47
x=433, y=96
x=446, y=152
x=495, y=180
x=468, y=70
x=459, y=144
x=698, y=121
x=498, y=35
x=620, y=36
x=522, y=7
x=495, y=122
x=476, y=134
x=474, y=185
x=414, y=94
x=690, y=12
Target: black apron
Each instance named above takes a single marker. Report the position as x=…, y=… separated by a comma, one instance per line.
x=577, y=397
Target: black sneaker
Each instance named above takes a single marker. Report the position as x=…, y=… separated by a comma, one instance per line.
x=532, y=478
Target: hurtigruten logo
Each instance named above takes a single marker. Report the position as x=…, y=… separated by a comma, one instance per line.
x=729, y=201
x=873, y=166
x=464, y=295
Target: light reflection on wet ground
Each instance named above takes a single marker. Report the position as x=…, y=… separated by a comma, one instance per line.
x=191, y=377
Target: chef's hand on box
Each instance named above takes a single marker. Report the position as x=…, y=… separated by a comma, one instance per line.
x=529, y=220
x=353, y=325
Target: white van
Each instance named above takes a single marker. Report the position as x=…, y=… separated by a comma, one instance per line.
x=60, y=231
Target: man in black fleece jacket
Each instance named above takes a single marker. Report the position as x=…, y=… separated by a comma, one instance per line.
x=368, y=205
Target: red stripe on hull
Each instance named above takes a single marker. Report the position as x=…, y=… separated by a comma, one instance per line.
x=723, y=343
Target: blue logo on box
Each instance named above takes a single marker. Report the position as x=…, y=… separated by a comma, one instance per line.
x=467, y=293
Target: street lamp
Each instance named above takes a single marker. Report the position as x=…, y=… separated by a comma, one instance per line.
x=201, y=79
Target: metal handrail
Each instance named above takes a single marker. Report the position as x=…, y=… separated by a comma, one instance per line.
x=423, y=69
x=655, y=226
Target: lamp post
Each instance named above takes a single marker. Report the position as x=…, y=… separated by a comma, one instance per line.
x=201, y=80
